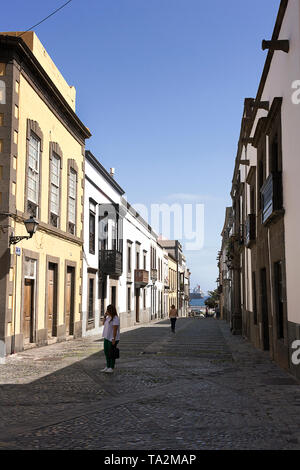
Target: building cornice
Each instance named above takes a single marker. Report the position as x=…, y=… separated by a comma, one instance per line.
x=15, y=47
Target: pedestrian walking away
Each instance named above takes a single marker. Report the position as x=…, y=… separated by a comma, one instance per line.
x=111, y=335
x=173, y=317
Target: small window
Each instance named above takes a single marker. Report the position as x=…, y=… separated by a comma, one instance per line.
x=1, y=119
x=30, y=268
x=2, y=69
x=2, y=92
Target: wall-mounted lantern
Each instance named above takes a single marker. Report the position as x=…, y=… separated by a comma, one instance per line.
x=31, y=225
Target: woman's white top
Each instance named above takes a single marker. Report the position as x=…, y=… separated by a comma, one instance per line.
x=108, y=331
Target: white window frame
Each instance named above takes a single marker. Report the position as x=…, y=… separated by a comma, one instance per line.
x=34, y=173
x=72, y=197
x=55, y=184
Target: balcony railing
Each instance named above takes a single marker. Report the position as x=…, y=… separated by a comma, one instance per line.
x=154, y=275
x=250, y=229
x=141, y=277
x=110, y=262
x=271, y=197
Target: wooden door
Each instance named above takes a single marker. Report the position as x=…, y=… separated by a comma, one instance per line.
x=28, y=310
x=264, y=311
x=52, y=288
x=70, y=302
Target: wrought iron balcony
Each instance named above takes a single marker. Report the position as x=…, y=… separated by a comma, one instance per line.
x=250, y=228
x=271, y=197
x=110, y=262
x=141, y=277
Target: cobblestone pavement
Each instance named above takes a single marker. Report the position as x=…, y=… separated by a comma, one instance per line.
x=200, y=388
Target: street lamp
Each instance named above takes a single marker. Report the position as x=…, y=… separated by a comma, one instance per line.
x=31, y=225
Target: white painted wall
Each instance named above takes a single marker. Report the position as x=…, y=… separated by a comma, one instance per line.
x=92, y=260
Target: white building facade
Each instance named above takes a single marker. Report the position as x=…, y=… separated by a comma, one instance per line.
x=103, y=245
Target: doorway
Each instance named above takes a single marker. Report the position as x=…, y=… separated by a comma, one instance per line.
x=52, y=299
x=70, y=298
x=137, y=305
x=264, y=310
x=28, y=310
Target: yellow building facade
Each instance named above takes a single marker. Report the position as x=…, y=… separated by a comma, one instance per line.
x=42, y=176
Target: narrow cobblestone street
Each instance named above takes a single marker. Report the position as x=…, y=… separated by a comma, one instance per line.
x=200, y=388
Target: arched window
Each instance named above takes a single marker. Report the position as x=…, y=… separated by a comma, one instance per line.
x=2, y=92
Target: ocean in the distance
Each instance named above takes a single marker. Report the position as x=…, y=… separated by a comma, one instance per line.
x=198, y=302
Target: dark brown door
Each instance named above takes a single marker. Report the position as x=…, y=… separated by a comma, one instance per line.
x=52, y=299
x=264, y=310
x=137, y=304
x=28, y=310
x=70, y=301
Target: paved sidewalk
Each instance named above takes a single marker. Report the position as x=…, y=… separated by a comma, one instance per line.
x=200, y=388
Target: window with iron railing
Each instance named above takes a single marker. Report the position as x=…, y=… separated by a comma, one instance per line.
x=271, y=196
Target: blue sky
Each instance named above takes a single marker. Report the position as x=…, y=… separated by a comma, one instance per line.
x=161, y=85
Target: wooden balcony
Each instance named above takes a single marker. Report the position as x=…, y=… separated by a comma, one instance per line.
x=271, y=197
x=141, y=277
x=250, y=230
x=110, y=262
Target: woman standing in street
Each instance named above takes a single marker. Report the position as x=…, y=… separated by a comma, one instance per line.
x=173, y=317
x=111, y=335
